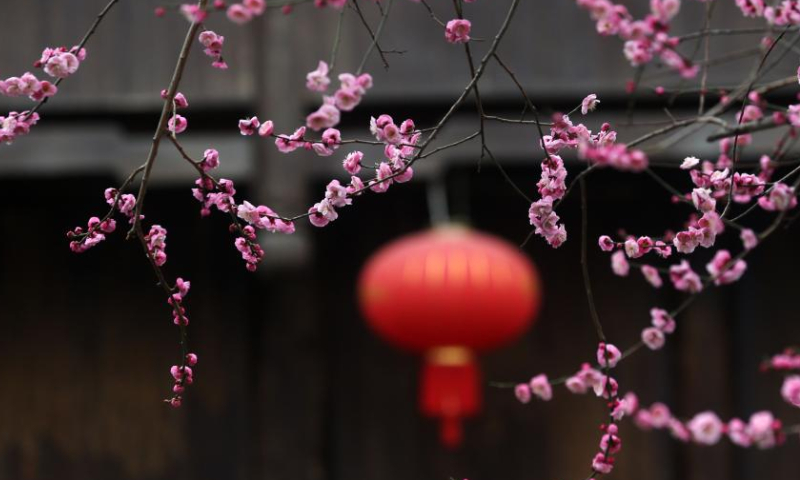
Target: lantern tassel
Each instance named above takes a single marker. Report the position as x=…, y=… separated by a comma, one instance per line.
x=450, y=390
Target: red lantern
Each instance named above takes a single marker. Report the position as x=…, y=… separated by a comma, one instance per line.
x=447, y=293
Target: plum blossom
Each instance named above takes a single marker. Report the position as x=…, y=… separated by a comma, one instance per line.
x=352, y=162
x=266, y=129
x=383, y=179
x=457, y=31
x=249, y=126
x=662, y=320
x=684, y=278
x=738, y=433
x=213, y=48
x=687, y=241
x=762, y=427
x=606, y=243
x=179, y=100
x=318, y=80
x=724, y=269
x=60, y=63
x=651, y=275
x=523, y=392
x=210, y=160
x=751, y=8
x=602, y=464
x=177, y=124
x=653, y=337
x=156, y=244
x=790, y=391
x=287, y=144
x=605, y=387
x=589, y=103
x=322, y=213
x=702, y=199
x=193, y=13
x=540, y=387
x=542, y=216
x=239, y=14
x=608, y=355
x=749, y=239
x=331, y=139
x=586, y=378
x=619, y=264
x=689, y=163
x=336, y=194
x=780, y=198
x=706, y=428
x=326, y=116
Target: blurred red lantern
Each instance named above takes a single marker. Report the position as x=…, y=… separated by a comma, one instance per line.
x=448, y=293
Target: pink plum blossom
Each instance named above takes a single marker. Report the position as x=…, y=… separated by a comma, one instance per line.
x=457, y=31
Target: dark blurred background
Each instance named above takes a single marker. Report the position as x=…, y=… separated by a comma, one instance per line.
x=291, y=383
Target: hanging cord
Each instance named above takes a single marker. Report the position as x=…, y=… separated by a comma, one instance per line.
x=437, y=201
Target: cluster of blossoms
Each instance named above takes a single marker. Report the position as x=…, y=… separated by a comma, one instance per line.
x=598, y=149
x=220, y=194
x=347, y=97
x=157, y=244
x=82, y=240
x=400, y=144
x=615, y=155
x=552, y=187
x=246, y=10
x=634, y=248
x=662, y=325
x=263, y=218
x=685, y=279
x=251, y=251
x=724, y=269
x=16, y=124
x=175, y=300
x=212, y=44
x=96, y=230
x=59, y=63
x=780, y=197
x=328, y=144
x=27, y=85
x=762, y=430
x=644, y=39
x=606, y=387
x=539, y=387
x=786, y=12
x=177, y=123
x=183, y=376
x=787, y=360
x=239, y=13
x=210, y=194
x=713, y=183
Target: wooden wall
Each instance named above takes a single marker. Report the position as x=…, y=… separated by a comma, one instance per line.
x=291, y=384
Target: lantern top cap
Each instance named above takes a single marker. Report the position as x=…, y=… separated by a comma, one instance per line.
x=452, y=228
